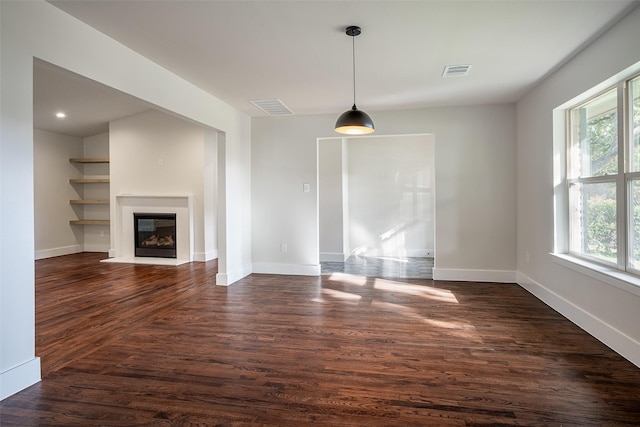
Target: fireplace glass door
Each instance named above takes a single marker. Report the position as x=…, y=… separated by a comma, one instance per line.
x=155, y=235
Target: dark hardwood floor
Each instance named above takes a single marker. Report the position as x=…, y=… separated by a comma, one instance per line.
x=125, y=345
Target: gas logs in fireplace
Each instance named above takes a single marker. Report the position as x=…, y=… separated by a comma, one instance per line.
x=155, y=235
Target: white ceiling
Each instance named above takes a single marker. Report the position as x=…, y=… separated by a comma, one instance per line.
x=89, y=105
x=297, y=51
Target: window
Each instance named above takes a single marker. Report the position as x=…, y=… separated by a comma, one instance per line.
x=634, y=178
x=603, y=177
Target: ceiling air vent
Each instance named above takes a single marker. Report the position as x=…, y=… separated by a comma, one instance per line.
x=273, y=107
x=456, y=70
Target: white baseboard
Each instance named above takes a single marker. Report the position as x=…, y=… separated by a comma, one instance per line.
x=19, y=378
x=63, y=250
x=333, y=257
x=230, y=277
x=622, y=344
x=96, y=247
x=205, y=256
x=499, y=276
x=287, y=269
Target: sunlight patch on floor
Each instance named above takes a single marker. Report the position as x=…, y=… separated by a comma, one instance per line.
x=455, y=328
x=398, y=308
x=452, y=328
x=341, y=295
x=417, y=290
x=349, y=279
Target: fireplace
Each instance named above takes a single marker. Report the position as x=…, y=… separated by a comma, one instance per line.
x=155, y=235
x=125, y=237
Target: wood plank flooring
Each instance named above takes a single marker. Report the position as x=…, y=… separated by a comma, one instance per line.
x=125, y=345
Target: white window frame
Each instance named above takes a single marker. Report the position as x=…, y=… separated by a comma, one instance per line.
x=619, y=274
x=617, y=178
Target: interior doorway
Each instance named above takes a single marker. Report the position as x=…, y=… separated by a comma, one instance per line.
x=86, y=138
x=376, y=205
x=156, y=152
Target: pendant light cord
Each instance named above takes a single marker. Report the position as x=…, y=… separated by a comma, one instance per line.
x=353, y=55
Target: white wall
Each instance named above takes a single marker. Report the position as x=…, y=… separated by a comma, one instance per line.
x=391, y=194
x=210, y=197
x=475, y=231
x=608, y=312
x=68, y=43
x=54, y=235
x=332, y=199
x=156, y=154
x=386, y=185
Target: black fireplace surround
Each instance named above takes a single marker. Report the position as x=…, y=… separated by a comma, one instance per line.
x=155, y=235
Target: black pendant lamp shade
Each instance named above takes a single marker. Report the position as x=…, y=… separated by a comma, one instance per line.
x=354, y=121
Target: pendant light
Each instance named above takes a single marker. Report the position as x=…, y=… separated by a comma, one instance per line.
x=354, y=121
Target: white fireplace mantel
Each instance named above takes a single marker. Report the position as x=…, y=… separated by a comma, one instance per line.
x=123, y=229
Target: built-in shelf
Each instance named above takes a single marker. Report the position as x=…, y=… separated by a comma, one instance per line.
x=89, y=202
x=89, y=221
x=89, y=180
x=95, y=179
x=91, y=160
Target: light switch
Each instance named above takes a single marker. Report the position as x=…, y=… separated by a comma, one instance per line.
x=306, y=188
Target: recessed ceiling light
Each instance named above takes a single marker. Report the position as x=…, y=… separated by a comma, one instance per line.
x=61, y=115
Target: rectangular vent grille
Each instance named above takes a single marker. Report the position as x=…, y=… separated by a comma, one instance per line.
x=273, y=107
x=456, y=70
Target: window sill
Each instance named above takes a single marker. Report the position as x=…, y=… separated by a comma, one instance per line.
x=618, y=279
